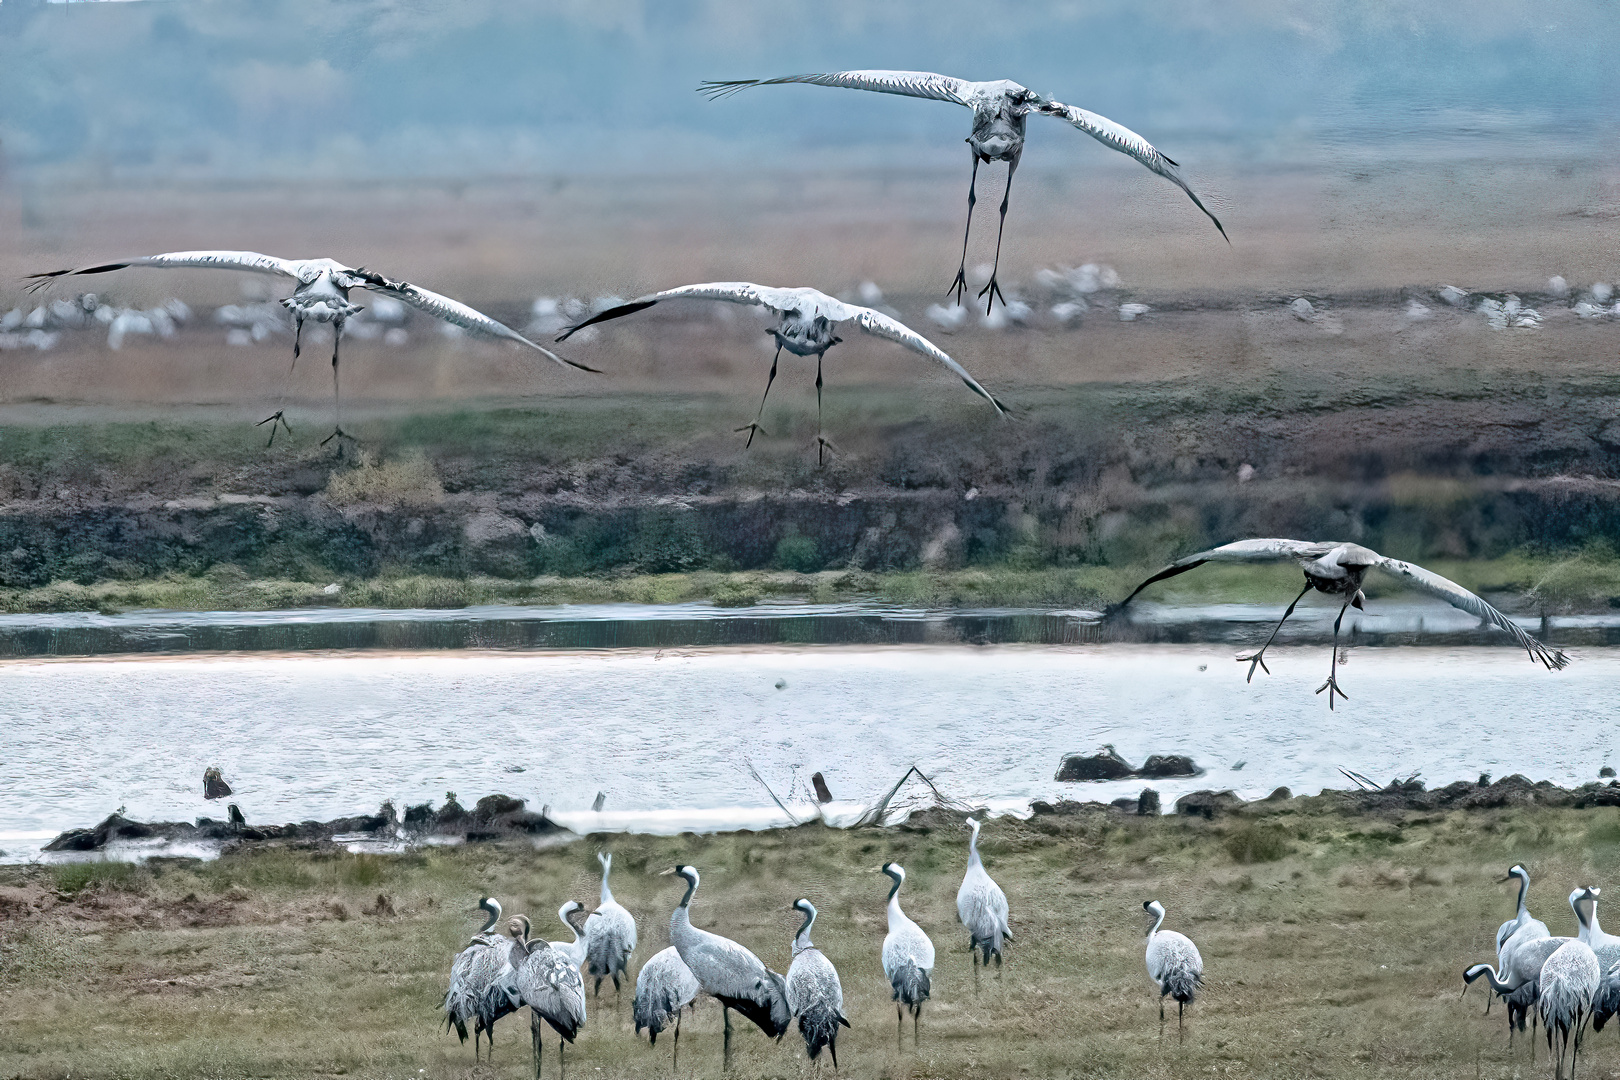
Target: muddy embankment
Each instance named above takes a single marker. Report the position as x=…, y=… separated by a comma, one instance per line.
x=1116, y=475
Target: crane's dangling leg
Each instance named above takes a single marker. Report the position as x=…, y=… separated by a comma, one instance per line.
x=675, y=1063
x=899, y=1026
x=1181, y=1033
x=534, y=1037
x=337, y=396
x=1332, y=684
x=298, y=337
x=916, y=1023
x=755, y=428
x=562, y=1062
x=821, y=443
x=991, y=288
x=960, y=283
x=1259, y=658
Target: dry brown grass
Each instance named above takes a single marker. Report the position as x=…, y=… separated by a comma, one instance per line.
x=1340, y=959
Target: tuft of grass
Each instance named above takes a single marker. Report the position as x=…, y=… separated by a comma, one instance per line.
x=409, y=482
x=1254, y=842
x=74, y=878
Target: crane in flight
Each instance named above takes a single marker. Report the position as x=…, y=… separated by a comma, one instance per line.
x=806, y=324
x=1000, y=109
x=1338, y=569
x=320, y=293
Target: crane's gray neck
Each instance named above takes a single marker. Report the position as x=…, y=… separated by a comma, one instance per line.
x=494, y=908
x=1580, y=915
x=1496, y=981
x=607, y=868
x=973, y=844
x=801, y=940
x=691, y=887
x=1158, y=921
x=1591, y=920
x=895, y=888
x=1524, y=889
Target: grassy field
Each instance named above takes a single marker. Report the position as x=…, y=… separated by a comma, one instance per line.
x=1333, y=947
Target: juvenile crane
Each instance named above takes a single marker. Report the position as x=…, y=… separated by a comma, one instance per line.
x=1000, y=109
x=806, y=321
x=727, y=971
x=814, y=994
x=1338, y=569
x=664, y=987
x=610, y=933
x=480, y=981
x=908, y=959
x=1172, y=962
x=982, y=907
x=320, y=293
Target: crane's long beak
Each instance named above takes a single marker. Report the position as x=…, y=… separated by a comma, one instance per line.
x=666, y=873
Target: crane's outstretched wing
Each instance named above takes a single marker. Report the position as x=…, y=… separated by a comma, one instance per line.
x=1126, y=141
x=733, y=292
x=919, y=84
x=1459, y=597
x=225, y=260
x=454, y=312
x=1266, y=550
x=874, y=322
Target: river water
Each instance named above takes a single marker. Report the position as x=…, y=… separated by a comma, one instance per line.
x=668, y=736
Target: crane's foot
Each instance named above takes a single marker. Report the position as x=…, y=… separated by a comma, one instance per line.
x=959, y=286
x=273, y=420
x=993, y=291
x=341, y=436
x=754, y=428
x=1332, y=687
x=823, y=445
x=1255, y=660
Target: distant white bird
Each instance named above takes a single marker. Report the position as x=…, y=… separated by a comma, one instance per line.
x=908, y=959
x=729, y=972
x=321, y=293
x=610, y=933
x=479, y=980
x=573, y=951
x=1000, y=109
x=814, y=994
x=1570, y=979
x=982, y=907
x=550, y=985
x=1337, y=569
x=1172, y=962
x=806, y=321
x=664, y=987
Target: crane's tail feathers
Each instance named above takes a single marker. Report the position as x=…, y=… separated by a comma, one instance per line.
x=715, y=90
x=611, y=313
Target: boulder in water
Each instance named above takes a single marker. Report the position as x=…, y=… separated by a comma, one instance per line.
x=1103, y=765
x=1147, y=803
x=214, y=785
x=1207, y=804
x=823, y=792
x=1159, y=766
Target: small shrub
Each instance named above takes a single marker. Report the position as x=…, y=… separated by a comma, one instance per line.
x=798, y=553
x=1256, y=844
x=409, y=482
x=74, y=878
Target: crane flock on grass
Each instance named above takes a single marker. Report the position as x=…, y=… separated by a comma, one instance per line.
x=493, y=976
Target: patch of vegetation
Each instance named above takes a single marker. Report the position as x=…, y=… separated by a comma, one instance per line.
x=1256, y=843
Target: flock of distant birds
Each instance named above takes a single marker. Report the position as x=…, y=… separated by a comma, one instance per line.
x=808, y=323
x=1566, y=982
x=494, y=976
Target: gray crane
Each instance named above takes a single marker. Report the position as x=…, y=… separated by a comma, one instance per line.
x=321, y=294
x=727, y=971
x=1000, y=109
x=550, y=985
x=908, y=959
x=1338, y=569
x=480, y=989
x=1606, y=947
x=1569, y=980
x=664, y=987
x=814, y=994
x=610, y=933
x=806, y=325
x=982, y=907
x=1173, y=963
x=1517, y=975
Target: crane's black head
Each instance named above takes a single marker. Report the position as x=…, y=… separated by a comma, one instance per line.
x=803, y=904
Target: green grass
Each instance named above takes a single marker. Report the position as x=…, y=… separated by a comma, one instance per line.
x=1328, y=952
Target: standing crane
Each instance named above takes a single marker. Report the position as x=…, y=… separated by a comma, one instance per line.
x=1173, y=963
x=550, y=985
x=1000, y=109
x=727, y=971
x=480, y=981
x=610, y=933
x=664, y=987
x=982, y=907
x=908, y=959
x=814, y=994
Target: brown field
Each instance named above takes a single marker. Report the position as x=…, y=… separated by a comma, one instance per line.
x=1333, y=947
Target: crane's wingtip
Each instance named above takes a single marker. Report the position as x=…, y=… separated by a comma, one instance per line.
x=1556, y=661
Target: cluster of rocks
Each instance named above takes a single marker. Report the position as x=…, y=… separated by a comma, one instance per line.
x=1397, y=796
x=494, y=817
x=1106, y=764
